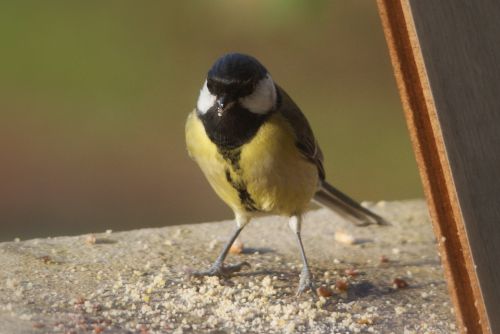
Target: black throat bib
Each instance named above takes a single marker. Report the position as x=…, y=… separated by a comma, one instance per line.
x=233, y=128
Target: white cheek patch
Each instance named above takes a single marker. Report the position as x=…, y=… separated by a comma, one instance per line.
x=263, y=99
x=206, y=100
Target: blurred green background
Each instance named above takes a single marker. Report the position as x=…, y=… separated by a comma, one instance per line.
x=94, y=94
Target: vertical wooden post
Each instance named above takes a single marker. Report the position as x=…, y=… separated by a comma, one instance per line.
x=445, y=56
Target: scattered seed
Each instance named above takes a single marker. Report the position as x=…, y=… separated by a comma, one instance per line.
x=46, y=259
x=365, y=321
x=345, y=238
x=399, y=283
x=342, y=285
x=38, y=325
x=351, y=272
x=384, y=259
x=212, y=244
x=324, y=291
x=236, y=247
x=80, y=301
x=90, y=239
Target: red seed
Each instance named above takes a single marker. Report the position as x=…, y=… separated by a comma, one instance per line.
x=351, y=272
x=324, y=291
x=399, y=283
x=38, y=325
x=342, y=285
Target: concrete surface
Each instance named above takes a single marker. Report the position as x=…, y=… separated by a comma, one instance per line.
x=136, y=282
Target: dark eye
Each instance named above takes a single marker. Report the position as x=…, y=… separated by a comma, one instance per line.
x=210, y=86
x=246, y=89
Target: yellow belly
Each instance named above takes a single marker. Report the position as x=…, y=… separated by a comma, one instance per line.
x=277, y=177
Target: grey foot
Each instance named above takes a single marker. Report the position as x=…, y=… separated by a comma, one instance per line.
x=306, y=282
x=221, y=270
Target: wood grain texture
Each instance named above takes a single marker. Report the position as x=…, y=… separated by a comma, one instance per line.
x=462, y=60
x=445, y=55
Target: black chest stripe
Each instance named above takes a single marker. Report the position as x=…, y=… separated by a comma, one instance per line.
x=232, y=156
x=245, y=198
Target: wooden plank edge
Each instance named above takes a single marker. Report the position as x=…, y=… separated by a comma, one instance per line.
x=435, y=172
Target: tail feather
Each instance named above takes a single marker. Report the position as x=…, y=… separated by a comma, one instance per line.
x=342, y=204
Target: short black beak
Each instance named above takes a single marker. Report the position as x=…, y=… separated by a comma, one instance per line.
x=222, y=103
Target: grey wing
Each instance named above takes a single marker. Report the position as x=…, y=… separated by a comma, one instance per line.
x=306, y=142
x=326, y=195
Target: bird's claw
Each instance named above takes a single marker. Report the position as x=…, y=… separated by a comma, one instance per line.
x=220, y=270
x=306, y=282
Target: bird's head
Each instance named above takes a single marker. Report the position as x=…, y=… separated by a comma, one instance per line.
x=238, y=80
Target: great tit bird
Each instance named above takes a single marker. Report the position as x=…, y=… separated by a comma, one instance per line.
x=259, y=154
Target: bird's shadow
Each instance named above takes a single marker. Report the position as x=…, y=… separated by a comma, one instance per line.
x=258, y=250
x=105, y=241
x=362, y=241
x=269, y=272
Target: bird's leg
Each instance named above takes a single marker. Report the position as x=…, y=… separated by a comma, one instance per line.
x=218, y=268
x=306, y=281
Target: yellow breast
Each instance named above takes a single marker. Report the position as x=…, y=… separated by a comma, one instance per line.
x=272, y=170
